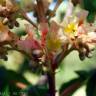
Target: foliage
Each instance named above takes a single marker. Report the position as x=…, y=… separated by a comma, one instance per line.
x=45, y=43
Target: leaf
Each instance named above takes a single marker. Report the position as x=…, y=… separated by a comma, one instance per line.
x=15, y=81
x=11, y=78
x=91, y=85
x=94, y=3
x=38, y=90
x=89, y=5
x=28, y=45
x=5, y=91
x=91, y=17
x=67, y=89
x=83, y=74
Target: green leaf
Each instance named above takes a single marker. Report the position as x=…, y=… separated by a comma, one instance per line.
x=10, y=78
x=38, y=90
x=91, y=17
x=91, y=7
x=94, y=3
x=83, y=74
x=91, y=85
x=11, y=75
x=5, y=91
x=67, y=89
x=88, y=5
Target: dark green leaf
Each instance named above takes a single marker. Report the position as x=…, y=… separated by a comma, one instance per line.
x=83, y=74
x=67, y=89
x=90, y=6
x=91, y=85
x=38, y=90
x=91, y=17
x=5, y=91
x=8, y=77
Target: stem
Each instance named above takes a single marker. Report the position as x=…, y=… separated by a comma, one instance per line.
x=54, y=11
x=40, y=11
x=51, y=82
x=27, y=18
x=60, y=57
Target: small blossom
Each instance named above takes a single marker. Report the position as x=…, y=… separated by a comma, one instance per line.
x=71, y=28
x=9, y=11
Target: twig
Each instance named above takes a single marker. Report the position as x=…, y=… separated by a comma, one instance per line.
x=40, y=11
x=51, y=82
x=27, y=18
x=59, y=58
x=54, y=11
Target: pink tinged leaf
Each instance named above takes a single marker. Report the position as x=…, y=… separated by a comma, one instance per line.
x=28, y=45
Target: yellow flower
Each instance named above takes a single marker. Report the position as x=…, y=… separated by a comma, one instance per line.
x=53, y=44
x=71, y=28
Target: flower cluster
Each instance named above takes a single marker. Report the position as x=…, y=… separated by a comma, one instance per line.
x=56, y=40
x=8, y=12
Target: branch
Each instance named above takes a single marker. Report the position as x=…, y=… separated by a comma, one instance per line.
x=54, y=11
x=59, y=58
x=51, y=82
x=23, y=13
x=40, y=11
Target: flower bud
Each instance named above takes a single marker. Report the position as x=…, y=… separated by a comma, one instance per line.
x=37, y=53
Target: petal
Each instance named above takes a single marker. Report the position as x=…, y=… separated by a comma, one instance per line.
x=82, y=15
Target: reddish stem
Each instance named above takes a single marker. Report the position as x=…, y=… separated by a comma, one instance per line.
x=51, y=82
x=40, y=11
